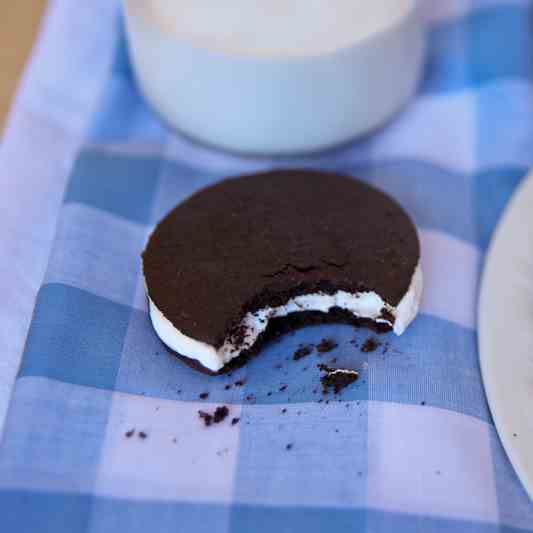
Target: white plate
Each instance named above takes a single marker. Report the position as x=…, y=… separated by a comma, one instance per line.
x=506, y=331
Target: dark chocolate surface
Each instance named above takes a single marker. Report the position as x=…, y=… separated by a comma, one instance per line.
x=256, y=241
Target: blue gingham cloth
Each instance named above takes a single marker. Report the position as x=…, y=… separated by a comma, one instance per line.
x=411, y=446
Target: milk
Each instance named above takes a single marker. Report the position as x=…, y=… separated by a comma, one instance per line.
x=294, y=27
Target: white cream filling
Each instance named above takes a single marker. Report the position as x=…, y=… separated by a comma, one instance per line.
x=343, y=371
x=361, y=305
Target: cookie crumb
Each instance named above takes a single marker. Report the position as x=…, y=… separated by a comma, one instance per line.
x=203, y=396
x=283, y=388
x=206, y=417
x=301, y=352
x=129, y=433
x=288, y=447
x=326, y=345
x=336, y=378
x=142, y=435
x=234, y=421
x=370, y=345
x=220, y=414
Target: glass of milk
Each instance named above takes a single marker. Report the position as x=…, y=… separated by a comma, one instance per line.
x=276, y=76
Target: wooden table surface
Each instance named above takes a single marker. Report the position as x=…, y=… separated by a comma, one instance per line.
x=18, y=27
